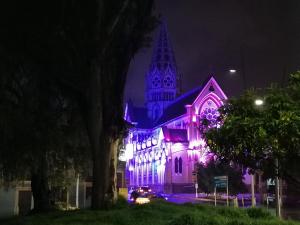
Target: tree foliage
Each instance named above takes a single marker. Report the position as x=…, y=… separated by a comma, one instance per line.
x=254, y=136
x=38, y=138
x=207, y=172
x=80, y=52
x=99, y=54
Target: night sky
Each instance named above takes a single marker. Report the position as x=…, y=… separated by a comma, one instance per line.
x=209, y=37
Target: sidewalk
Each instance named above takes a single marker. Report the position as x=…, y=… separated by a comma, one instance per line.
x=203, y=198
x=181, y=198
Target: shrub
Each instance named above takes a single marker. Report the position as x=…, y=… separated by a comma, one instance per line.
x=230, y=212
x=185, y=219
x=121, y=202
x=258, y=213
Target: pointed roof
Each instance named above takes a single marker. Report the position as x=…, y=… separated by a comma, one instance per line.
x=138, y=116
x=163, y=55
x=177, y=108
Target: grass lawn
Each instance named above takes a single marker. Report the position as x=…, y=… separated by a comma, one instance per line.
x=156, y=213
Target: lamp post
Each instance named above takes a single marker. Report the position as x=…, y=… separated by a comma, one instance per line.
x=277, y=191
x=260, y=102
x=257, y=102
x=253, y=201
x=238, y=72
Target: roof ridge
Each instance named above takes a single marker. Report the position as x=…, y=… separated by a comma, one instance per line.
x=185, y=95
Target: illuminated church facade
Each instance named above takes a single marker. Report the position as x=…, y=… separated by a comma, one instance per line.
x=165, y=142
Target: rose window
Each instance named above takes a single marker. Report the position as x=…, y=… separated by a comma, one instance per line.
x=210, y=114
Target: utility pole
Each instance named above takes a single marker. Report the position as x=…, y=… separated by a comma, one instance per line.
x=227, y=192
x=77, y=191
x=253, y=190
x=195, y=174
x=215, y=195
x=277, y=190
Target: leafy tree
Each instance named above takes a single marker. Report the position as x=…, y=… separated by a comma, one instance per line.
x=207, y=172
x=255, y=136
x=35, y=133
x=84, y=50
x=99, y=54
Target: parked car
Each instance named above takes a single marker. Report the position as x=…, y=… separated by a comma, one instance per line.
x=138, y=197
x=144, y=194
x=144, y=190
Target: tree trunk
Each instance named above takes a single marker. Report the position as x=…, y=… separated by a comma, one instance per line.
x=112, y=189
x=94, y=118
x=101, y=174
x=97, y=189
x=99, y=138
x=40, y=187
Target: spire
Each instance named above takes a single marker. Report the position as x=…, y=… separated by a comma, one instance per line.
x=163, y=55
x=162, y=79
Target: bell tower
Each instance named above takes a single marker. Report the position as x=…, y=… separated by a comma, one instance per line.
x=162, y=79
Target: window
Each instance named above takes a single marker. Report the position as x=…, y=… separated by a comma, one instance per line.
x=168, y=82
x=156, y=82
x=180, y=165
x=210, y=114
x=176, y=165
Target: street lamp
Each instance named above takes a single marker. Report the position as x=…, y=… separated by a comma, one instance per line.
x=232, y=71
x=259, y=102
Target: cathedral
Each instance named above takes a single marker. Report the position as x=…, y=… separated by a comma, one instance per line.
x=165, y=143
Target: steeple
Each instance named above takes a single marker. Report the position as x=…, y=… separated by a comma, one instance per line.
x=162, y=79
x=163, y=54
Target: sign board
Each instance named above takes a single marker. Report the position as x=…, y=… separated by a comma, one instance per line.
x=221, y=181
x=271, y=182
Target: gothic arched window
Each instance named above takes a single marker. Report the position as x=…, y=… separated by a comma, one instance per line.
x=209, y=111
x=176, y=165
x=180, y=165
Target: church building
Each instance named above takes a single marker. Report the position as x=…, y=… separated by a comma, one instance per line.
x=165, y=142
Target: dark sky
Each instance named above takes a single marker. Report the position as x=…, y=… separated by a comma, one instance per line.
x=212, y=36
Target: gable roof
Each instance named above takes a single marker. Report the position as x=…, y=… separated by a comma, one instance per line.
x=139, y=116
x=177, y=108
x=212, y=85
